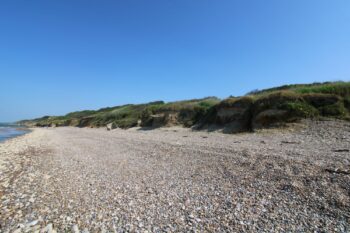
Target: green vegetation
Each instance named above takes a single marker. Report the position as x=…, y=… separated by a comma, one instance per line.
x=280, y=105
x=187, y=113
x=300, y=109
x=338, y=88
x=127, y=116
x=259, y=108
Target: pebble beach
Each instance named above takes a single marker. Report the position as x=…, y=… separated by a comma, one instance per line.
x=177, y=180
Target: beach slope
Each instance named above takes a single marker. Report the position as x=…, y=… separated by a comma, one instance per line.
x=176, y=180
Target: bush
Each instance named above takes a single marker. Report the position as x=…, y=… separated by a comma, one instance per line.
x=274, y=100
x=335, y=110
x=319, y=100
x=300, y=109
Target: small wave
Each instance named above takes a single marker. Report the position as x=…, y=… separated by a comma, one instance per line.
x=10, y=132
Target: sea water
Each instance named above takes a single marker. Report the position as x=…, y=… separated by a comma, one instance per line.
x=8, y=131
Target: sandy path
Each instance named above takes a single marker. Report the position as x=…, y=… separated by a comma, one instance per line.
x=176, y=180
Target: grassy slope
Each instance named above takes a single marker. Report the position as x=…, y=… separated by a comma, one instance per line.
x=285, y=103
x=129, y=115
x=327, y=99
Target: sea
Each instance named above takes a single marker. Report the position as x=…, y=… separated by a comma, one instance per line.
x=9, y=130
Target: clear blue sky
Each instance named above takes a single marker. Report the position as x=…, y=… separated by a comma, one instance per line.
x=68, y=55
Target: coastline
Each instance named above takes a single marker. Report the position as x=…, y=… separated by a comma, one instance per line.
x=8, y=132
x=133, y=180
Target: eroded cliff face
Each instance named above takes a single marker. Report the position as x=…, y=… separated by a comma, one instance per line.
x=273, y=110
x=233, y=115
x=161, y=120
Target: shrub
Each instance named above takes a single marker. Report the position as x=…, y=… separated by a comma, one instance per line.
x=318, y=99
x=274, y=100
x=335, y=110
x=300, y=109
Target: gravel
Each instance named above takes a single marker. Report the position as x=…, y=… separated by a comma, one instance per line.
x=175, y=180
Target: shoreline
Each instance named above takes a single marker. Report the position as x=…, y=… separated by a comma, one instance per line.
x=7, y=133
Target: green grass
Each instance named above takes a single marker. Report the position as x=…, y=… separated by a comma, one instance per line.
x=300, y=109
x=234, y=101
x=189, y=112
x=337, y=88
x=80, y=114
x=124, y=116
x=274, y=100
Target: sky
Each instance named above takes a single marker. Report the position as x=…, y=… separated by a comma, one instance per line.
x=69, y=55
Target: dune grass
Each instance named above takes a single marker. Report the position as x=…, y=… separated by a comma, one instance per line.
x=339, y=88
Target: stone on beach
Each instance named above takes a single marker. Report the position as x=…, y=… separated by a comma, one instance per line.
x=177, y=180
